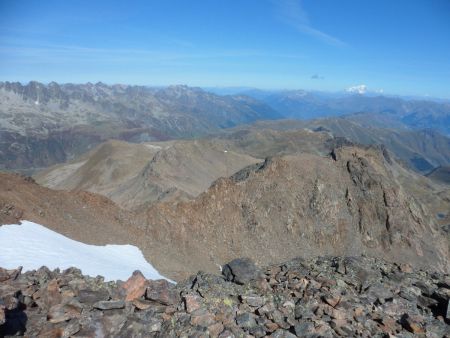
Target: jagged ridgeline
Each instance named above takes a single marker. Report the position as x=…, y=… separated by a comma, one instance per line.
x=355, y=201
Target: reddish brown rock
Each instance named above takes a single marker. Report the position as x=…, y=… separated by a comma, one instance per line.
x=332, y=300
x=53, y=296
x=202, y=318
x=51, y=333
x=412, y=325
x=142, y=304
x=135, y=286
x=215, y=329
x=406, y=268
x=192, y=303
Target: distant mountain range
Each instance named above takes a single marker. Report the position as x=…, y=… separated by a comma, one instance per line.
x=45, y=124
x=371, y=110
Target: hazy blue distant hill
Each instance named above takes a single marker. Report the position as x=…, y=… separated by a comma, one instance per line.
x=422, y=150
x=371, y=109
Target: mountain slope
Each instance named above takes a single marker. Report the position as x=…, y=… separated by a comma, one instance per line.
x=440, y=174
x=135, y=174
x=84, y=217
x=351, y=202
x=305, y=205
x=45, y=124
x=421, y=150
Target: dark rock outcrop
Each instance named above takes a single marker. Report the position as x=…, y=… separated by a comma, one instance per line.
x=241, y=271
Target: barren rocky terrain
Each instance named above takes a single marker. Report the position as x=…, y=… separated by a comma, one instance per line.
x=322, y=297
x=354, y=201
x=268, y=191
x=134, y=175
x=351, y=202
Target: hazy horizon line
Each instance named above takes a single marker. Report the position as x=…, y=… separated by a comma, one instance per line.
x=373, y=92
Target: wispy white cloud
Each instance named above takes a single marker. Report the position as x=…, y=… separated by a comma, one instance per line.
x=292, y=13
x=27, y=51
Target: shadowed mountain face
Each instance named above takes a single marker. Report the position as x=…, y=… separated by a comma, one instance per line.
x=440, y=175
x=46, y=124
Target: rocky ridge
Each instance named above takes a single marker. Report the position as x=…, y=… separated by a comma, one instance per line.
x=421, y=150
x=352, y=202
x=321, y=297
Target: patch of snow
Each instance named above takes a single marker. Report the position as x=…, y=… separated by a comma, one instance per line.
x=32, y=245
x=360, y=89
x=36, y=103
x=152, y=146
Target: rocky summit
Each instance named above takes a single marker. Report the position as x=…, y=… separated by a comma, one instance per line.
x=321, y=297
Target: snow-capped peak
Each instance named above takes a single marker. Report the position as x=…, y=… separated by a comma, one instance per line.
x=359, y=89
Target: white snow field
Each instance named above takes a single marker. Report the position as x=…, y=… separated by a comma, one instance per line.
x=31, y=246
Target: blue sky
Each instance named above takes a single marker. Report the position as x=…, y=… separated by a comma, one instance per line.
x=400, y=47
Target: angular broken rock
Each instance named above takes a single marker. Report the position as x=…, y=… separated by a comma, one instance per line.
x=53, y=295
x=241, y=271
x=412, y=325
x=192, y=302
x=56, y=316
x=202, y=317
x=9, y=274
x=246, y=320
x=90, y=296
x=254, y=300
x=109, y=304
x=135, y=286
x=71, y=329
x=406, y=305
x=162, y=292
x=142, y=304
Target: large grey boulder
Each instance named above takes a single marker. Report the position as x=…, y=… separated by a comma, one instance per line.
x=241, y=271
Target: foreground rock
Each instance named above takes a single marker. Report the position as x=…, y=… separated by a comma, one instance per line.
x=323, y=297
